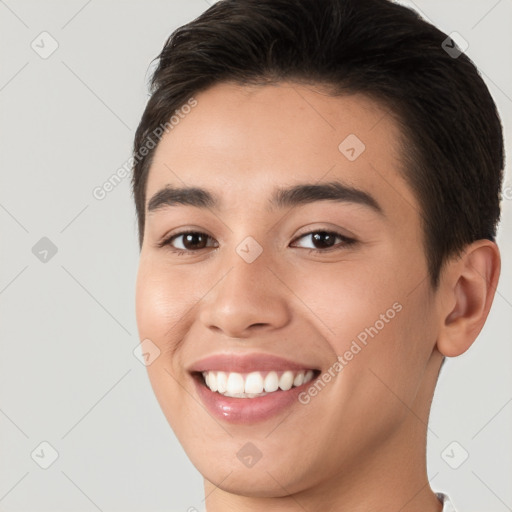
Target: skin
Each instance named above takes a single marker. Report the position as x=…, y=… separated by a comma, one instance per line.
x=359, y=445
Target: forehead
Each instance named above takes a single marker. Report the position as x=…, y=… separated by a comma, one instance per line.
x=241, y=142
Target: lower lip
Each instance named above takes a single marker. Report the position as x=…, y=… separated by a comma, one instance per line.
x=248, y=410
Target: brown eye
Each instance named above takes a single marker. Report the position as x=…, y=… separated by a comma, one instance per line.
x=193, y=241
x=188, y=241
x=323, y=241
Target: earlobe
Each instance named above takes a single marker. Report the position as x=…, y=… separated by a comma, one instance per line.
x=469, y=284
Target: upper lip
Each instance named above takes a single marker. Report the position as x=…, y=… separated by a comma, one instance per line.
x=246, y=363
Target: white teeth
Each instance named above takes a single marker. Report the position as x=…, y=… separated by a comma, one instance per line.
x=286, y=380
x=271, y=382
x=222, y=382
x=235, y=383
x=253, y=384
x=213, y=381
x=299, y=379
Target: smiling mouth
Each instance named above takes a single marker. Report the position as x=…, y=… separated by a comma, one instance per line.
x=254, y=384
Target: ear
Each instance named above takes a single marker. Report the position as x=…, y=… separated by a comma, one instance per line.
x=467, y=287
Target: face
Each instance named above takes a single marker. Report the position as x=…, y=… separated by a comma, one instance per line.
x=257, y=283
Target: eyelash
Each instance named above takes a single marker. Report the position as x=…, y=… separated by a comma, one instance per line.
x=179, y=252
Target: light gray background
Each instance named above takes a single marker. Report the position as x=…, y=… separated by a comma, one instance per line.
x=68, y=375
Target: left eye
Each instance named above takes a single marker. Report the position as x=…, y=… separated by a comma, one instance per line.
x=193, y=241
x=326, y=240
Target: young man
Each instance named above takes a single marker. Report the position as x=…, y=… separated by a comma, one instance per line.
x=317, y=184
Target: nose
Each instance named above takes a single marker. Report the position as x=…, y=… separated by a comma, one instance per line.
x=249, y=298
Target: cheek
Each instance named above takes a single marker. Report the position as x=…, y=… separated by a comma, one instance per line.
x=158, y=310
x=377, y=319
x=161, y=302
x=345, y=298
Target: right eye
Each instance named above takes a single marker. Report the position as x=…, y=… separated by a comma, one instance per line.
x=192, y=241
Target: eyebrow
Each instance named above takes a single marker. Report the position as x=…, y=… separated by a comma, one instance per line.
x=293, y=196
